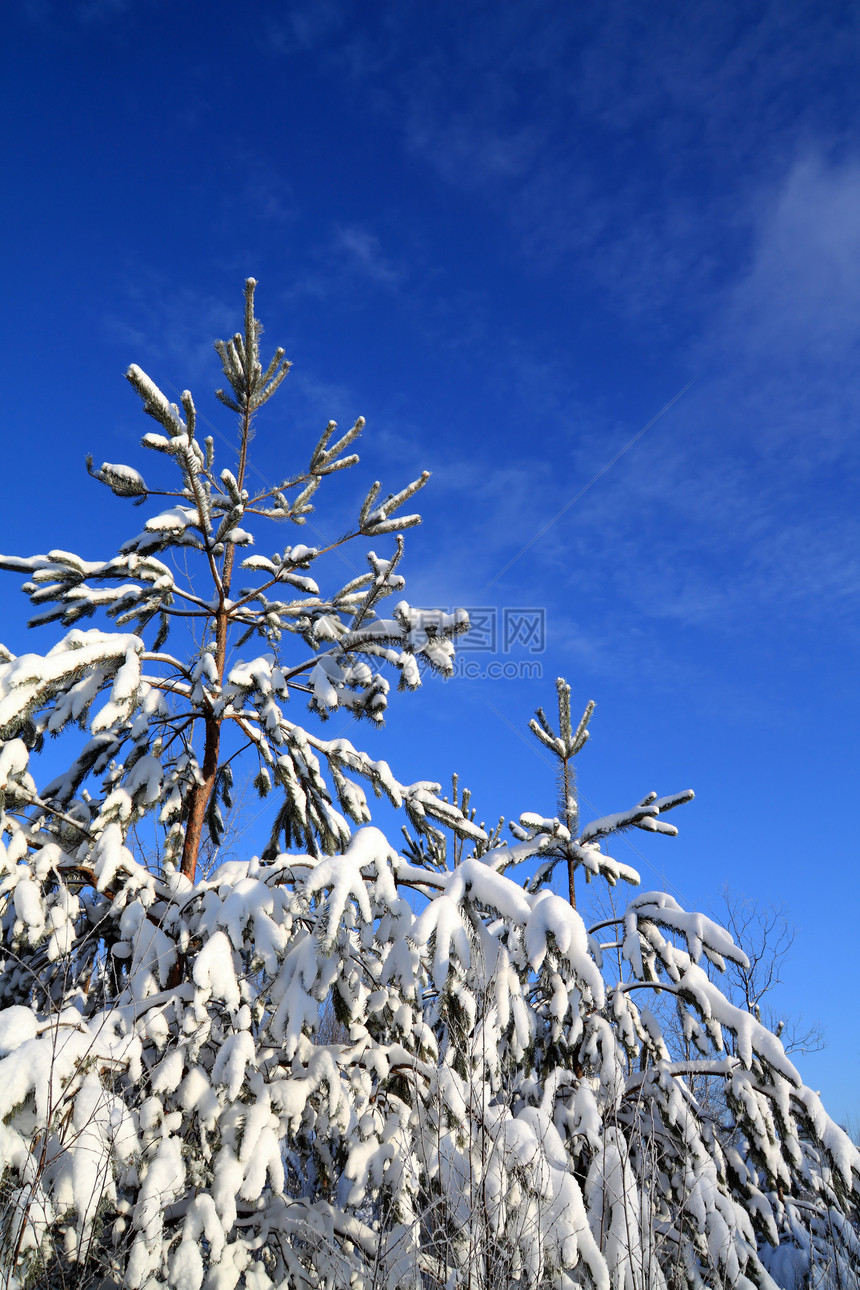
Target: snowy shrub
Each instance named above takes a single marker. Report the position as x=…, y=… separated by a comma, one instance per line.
x=336, y=1064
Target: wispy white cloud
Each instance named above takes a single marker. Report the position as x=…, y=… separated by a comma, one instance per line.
x=86, y=12
x=303, y=26
x=631, y=144
x=90, y=11
x=38, y=12
x=362, y=251
x=634, y=143
x=800, y=298
x=159, y=322
x=741, y=505
x=470, y=145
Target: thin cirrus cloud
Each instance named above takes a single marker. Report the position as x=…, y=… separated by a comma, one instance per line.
x=782, y=341
x=633, y=146
x=739, y=507
x=801, y=296
x=763, y=475
x=361, y=251
x=303, y=27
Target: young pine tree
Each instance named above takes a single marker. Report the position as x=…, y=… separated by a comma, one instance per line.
x=490, y=1106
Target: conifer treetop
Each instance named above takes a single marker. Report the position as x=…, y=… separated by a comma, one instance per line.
x=195, y=711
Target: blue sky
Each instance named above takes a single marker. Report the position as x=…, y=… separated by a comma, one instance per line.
x=508, y=235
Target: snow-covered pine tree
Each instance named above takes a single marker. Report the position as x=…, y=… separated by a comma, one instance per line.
x=499, y=1109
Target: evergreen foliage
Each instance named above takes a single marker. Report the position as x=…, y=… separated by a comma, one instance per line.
x=335, y=1064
